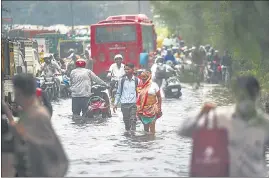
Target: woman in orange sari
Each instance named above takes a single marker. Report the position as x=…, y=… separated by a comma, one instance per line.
x=149, y=102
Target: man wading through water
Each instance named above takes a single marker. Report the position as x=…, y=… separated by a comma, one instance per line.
x=38, y=151
x=126, y=95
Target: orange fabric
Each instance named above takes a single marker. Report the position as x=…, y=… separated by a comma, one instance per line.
x=145, y=104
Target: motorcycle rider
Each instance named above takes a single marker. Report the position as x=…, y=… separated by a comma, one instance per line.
x=81, y=82
x=50, y=68
x=116, y=71
x=158, y=52
x=88, y=55
x=227, y=62
x=167, y=42
x=198, y=60
x=174, y=40
x=158, y=71
x=170, y=57
x=71, y=65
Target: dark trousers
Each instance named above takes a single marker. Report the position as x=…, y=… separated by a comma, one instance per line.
x=112, y=87
x=80, y=104
x=129, y=115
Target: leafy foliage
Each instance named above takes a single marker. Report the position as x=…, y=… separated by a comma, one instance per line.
x=242, y=27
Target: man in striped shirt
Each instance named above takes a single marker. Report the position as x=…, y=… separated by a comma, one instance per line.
x=126, y=95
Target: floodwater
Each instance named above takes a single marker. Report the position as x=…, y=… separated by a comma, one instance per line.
x=101, y=148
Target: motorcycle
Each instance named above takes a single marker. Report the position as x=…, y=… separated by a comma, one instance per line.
x=97, y=104
x=172, y=88
x=64, y=87
x=49, y=86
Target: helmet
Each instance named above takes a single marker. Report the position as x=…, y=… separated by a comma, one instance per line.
x=80, y=63
x=159, y=60
x=118, y=56
x=48, y=58
x=71, y=51
x=207, y=46
x=170, y=63
x=175, y=48
x=169, y=50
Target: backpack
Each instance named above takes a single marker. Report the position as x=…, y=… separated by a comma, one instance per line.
x=210, y=155
x=160, y=71
x=122, y=82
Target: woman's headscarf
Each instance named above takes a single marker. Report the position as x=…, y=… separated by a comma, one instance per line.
x=142, y=88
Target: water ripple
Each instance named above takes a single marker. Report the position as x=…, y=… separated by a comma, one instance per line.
x=103, y=149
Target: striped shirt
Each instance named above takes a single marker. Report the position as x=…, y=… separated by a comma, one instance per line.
x=81, y=82
x=128, y=91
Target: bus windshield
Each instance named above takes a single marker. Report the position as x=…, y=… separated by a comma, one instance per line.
x=119, y=33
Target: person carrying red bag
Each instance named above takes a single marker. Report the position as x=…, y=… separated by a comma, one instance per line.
x=230, y=141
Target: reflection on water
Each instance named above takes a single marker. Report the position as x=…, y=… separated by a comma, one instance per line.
x=103, y=148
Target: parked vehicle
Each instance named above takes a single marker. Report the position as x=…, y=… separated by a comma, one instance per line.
x=12, y=63
x=97, y=105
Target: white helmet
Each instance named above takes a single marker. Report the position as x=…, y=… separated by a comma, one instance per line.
x=170, y=63
x=118, y=56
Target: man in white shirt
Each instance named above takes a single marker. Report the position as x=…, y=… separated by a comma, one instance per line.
x=167, y=42
x=116, y=71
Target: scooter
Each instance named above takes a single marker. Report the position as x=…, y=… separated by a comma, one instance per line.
x=64, y=87
x=97, y=105
x=172, y=88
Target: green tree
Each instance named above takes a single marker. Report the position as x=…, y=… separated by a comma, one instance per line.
x=242, y=27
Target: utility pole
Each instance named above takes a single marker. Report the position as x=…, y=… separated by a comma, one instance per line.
x=139, y=7
x=72, y=16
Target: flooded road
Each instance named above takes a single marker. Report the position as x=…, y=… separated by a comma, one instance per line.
x=102, y=149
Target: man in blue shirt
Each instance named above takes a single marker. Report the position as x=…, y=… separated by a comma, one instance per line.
x=126, y=95
x=170, y=57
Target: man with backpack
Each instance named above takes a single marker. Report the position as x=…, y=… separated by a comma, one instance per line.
x=126, y=95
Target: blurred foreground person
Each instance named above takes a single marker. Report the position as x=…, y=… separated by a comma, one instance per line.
x=149, y=102
x=38, y=151
x=43, y=98
x=235, y=146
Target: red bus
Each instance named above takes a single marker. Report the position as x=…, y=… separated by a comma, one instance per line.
x=27, y=33
x=127, y=35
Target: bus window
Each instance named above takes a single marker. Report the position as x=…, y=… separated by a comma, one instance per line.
x=147, y=38
x=108, y=34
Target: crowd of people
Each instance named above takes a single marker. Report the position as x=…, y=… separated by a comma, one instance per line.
x=39, y=152
x=205, y=59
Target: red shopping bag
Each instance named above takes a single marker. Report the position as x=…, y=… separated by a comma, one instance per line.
x=210, y=155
